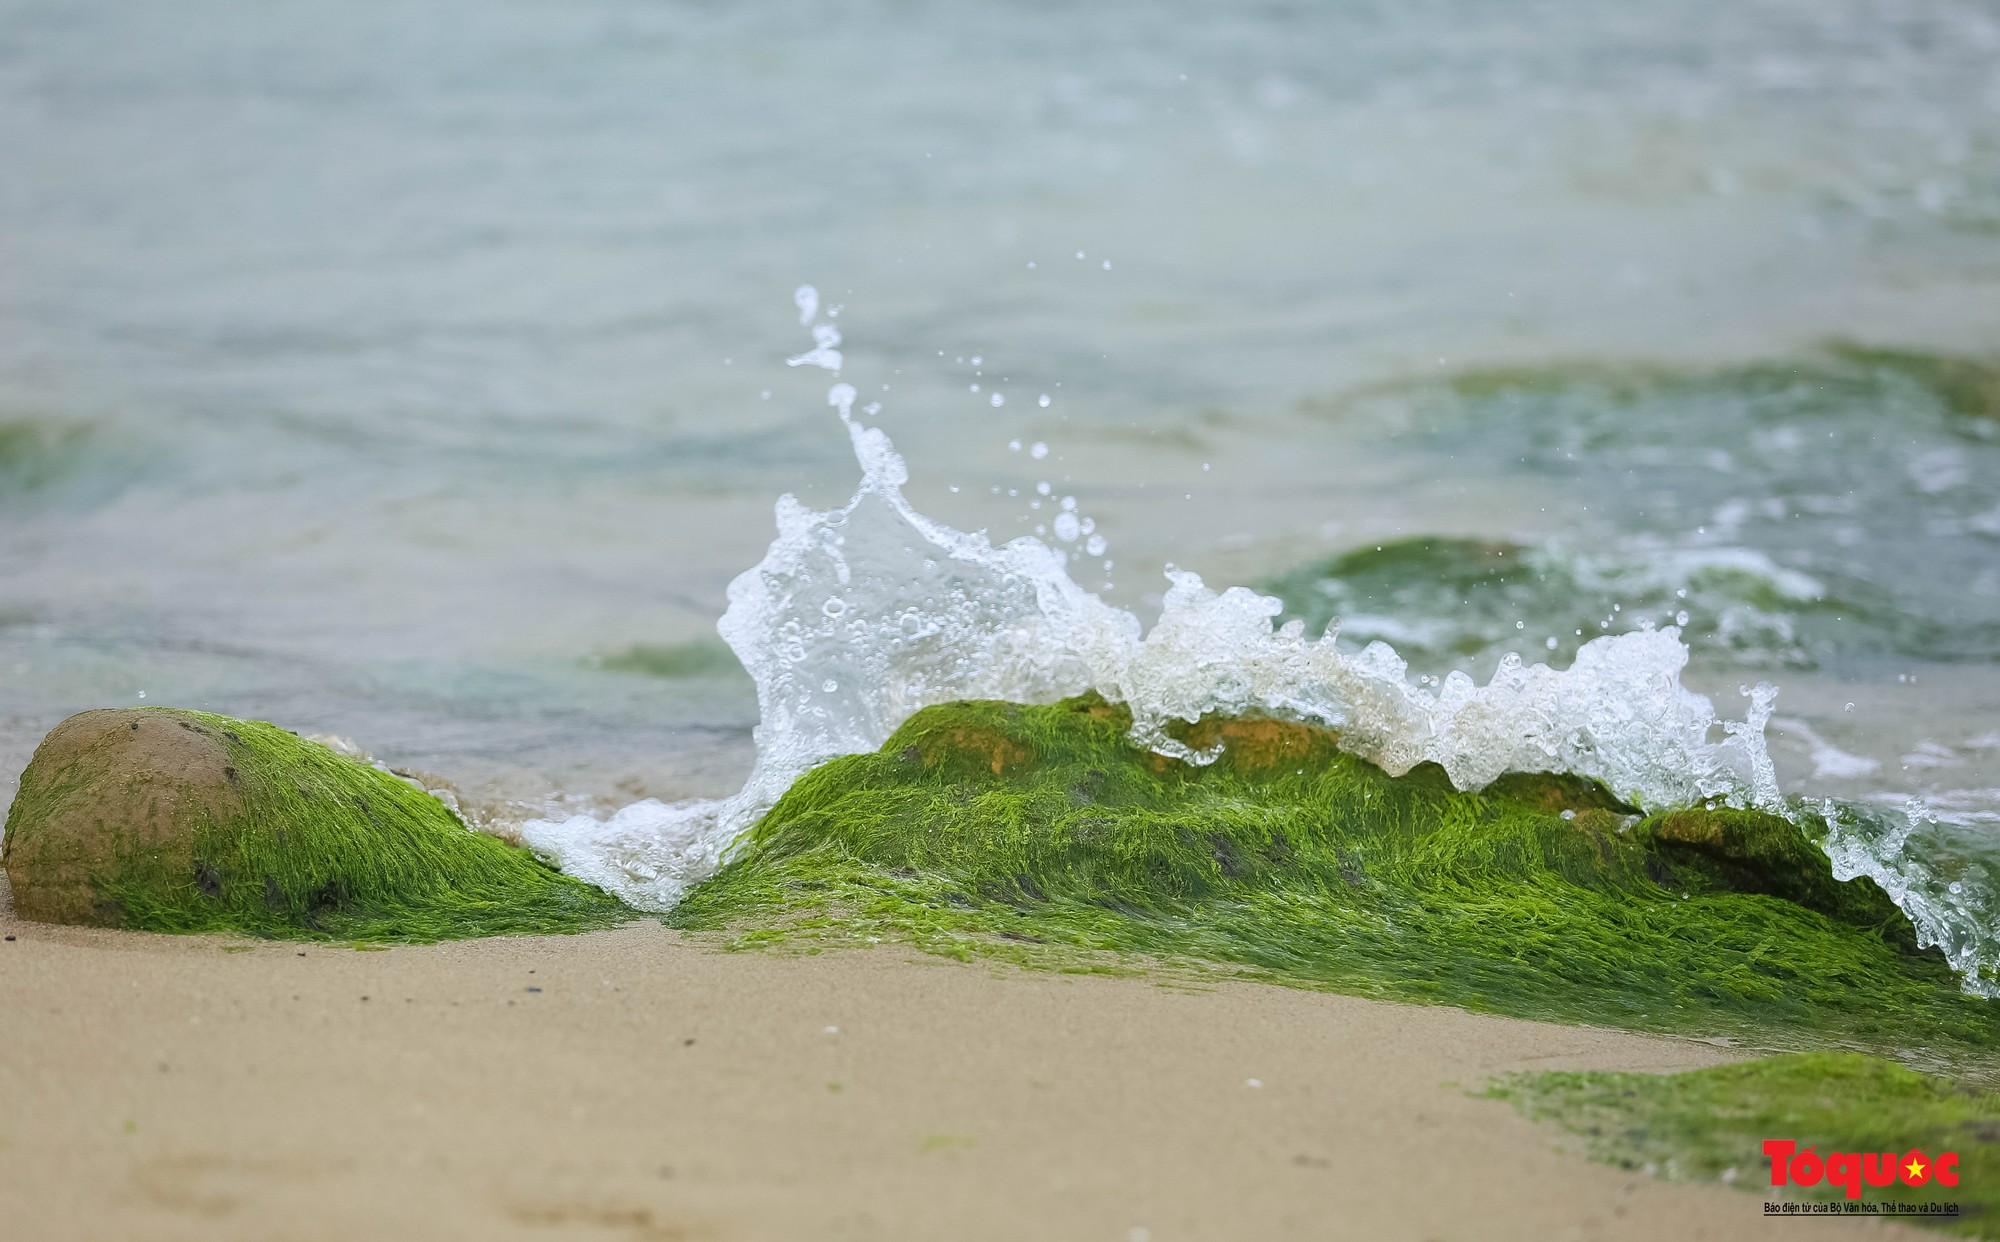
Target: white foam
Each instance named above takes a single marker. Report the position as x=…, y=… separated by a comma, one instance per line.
x=857, y=617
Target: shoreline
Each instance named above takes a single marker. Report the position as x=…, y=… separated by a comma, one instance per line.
x=198, y=1087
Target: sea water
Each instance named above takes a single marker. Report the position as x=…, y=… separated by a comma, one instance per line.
x=419, y=376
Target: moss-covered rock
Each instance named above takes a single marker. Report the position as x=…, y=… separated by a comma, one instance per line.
x=1036, y=832
x=1725, y=850
x=182, y=821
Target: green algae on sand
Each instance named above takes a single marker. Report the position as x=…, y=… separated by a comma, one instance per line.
x=166, y=820
x=1041, y=834
x=1710, y=1125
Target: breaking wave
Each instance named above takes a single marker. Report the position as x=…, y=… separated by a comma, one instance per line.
x=859, y=616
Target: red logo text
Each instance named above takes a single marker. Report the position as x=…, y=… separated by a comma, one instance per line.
x=1791, y=1166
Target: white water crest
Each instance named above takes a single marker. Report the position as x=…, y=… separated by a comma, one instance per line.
x=857, y=617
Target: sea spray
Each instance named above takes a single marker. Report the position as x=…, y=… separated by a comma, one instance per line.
x=859, y=616
x=1947, y=901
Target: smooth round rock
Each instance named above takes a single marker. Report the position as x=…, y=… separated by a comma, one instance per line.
x=114, y=792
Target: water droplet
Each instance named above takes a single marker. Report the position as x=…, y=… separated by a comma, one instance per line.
x=1038, y=450
x=1095, y=546
x=1043, y=401
x=998, y=400
x=829, y=685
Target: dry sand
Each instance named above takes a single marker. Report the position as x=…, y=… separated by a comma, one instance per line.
x=654, y=1088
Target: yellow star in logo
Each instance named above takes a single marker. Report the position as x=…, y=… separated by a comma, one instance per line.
x=1915, y=1169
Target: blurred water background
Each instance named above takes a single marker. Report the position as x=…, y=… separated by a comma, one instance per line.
x=416, y=373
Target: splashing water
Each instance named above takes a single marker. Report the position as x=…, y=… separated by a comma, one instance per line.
x=859, y=616
x=1947, y=898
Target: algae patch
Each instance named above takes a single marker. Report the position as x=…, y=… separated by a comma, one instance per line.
x=700, y=658
x=1454, y=601
x=1711, y=1125
x=1967, y=387
x=1041, y=834
x=167, y=820
x=34, y=454
x=1821, y=511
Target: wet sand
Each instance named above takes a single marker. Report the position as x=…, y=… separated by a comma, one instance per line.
x=639, y=1084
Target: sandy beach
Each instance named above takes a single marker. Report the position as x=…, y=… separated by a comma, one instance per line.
x=1471, y=503
x=641, y=1084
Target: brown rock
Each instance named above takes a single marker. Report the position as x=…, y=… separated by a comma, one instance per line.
x=120, y=791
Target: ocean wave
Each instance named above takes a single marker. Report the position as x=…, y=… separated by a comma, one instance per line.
x=862, y=615
x=859, y=616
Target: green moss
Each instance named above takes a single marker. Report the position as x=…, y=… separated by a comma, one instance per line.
x=1038, y=833
x=1711, y=1124
x=701, y=658
x=1627, y=383
x=1968, y=387
x=307, y=844
x=1444, y=600
x=33, y=454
